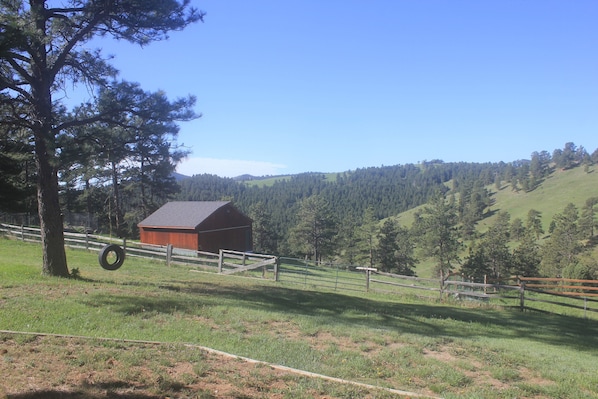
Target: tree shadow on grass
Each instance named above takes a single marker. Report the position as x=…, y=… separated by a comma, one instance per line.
x=79, y=394
x=101, y=390
x=334, y=309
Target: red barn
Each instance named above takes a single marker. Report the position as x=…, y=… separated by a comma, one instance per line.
x=198, y=225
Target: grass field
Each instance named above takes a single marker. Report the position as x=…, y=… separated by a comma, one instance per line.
x=432, y=348
x=267, y=182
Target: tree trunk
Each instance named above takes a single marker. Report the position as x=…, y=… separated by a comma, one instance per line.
x=116, y=198
x=50, y=215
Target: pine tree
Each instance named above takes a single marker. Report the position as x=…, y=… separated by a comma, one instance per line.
x=476, y=266
x=366, y=238
x=264, y=236
x=395, y=249
x=517, y=229
x=588, y=221
x=42, y=52
x=436, y=227
x=316, y=229
x=563, y=247
x=495, y=244
x=533, y=223
x=526, y=257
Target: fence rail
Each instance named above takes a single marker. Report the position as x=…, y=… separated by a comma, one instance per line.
x=523, y=292
x=227, y=262
x=310, y=274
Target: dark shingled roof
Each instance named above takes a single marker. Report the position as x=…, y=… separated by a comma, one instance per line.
x=182, y=214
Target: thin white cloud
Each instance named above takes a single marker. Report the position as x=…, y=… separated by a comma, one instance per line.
x=228, y=167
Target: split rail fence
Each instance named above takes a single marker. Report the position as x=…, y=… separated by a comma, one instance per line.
x=225, y=262
x=525, y=293
x=542, y=294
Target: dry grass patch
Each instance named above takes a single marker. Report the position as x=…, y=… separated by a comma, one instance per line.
x=35, y=367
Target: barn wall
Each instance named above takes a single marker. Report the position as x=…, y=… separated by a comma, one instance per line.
x=227, y=228
x=238, y=239
x=186, y=239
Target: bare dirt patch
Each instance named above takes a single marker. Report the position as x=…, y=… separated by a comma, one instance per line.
x=35, y=367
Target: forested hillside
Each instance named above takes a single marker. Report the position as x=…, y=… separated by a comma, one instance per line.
x=536, y=216
x=351, y=217
x=386, y=190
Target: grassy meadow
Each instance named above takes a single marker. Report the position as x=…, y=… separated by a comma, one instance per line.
x=550, y=197
x=449, y=350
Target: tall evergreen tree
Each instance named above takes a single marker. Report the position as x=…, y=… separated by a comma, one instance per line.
x=264, y=236
x=436, y=227
x=567, y=157
x=495, y=245
x=533, y=223
x=316, y=229
x=563, y=247
x=526, y=257
x=588, y=221
x=540, y=165
x=490, y=257
x=348, y=239
x=42, y=52
x=517, y=229
x=17, y=181
x=395, y=249
x=366, y=238
x=133, y=151
x=476, y=266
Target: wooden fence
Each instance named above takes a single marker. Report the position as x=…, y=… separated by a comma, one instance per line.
x=541, y=294
x=225, y=262
x=526, y=293
x=308, y=274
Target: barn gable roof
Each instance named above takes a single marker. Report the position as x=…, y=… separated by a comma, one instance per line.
x=182, y=214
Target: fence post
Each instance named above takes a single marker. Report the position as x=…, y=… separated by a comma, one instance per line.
x=368, y=271
x=485, y=284
x=276, y=267
x=220, y=261
x=125, y=245
x=86, y=241
x=522, y=295
x=305, y=274
x=168, y=254
x=585, y=307
x=23, y=233
x=441, y=282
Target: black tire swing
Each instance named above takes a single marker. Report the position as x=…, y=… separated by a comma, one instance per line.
x=107, y=252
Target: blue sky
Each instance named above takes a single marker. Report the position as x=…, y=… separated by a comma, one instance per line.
x=295, y=86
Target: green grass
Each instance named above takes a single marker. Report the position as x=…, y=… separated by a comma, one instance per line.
x=551, y=197
x=559, y=189
x=269, y=181
x=446, y=349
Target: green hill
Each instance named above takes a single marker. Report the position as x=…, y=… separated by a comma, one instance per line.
x=269, y=181
x=550, y=198
x=559, y=189
x=545, y=183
